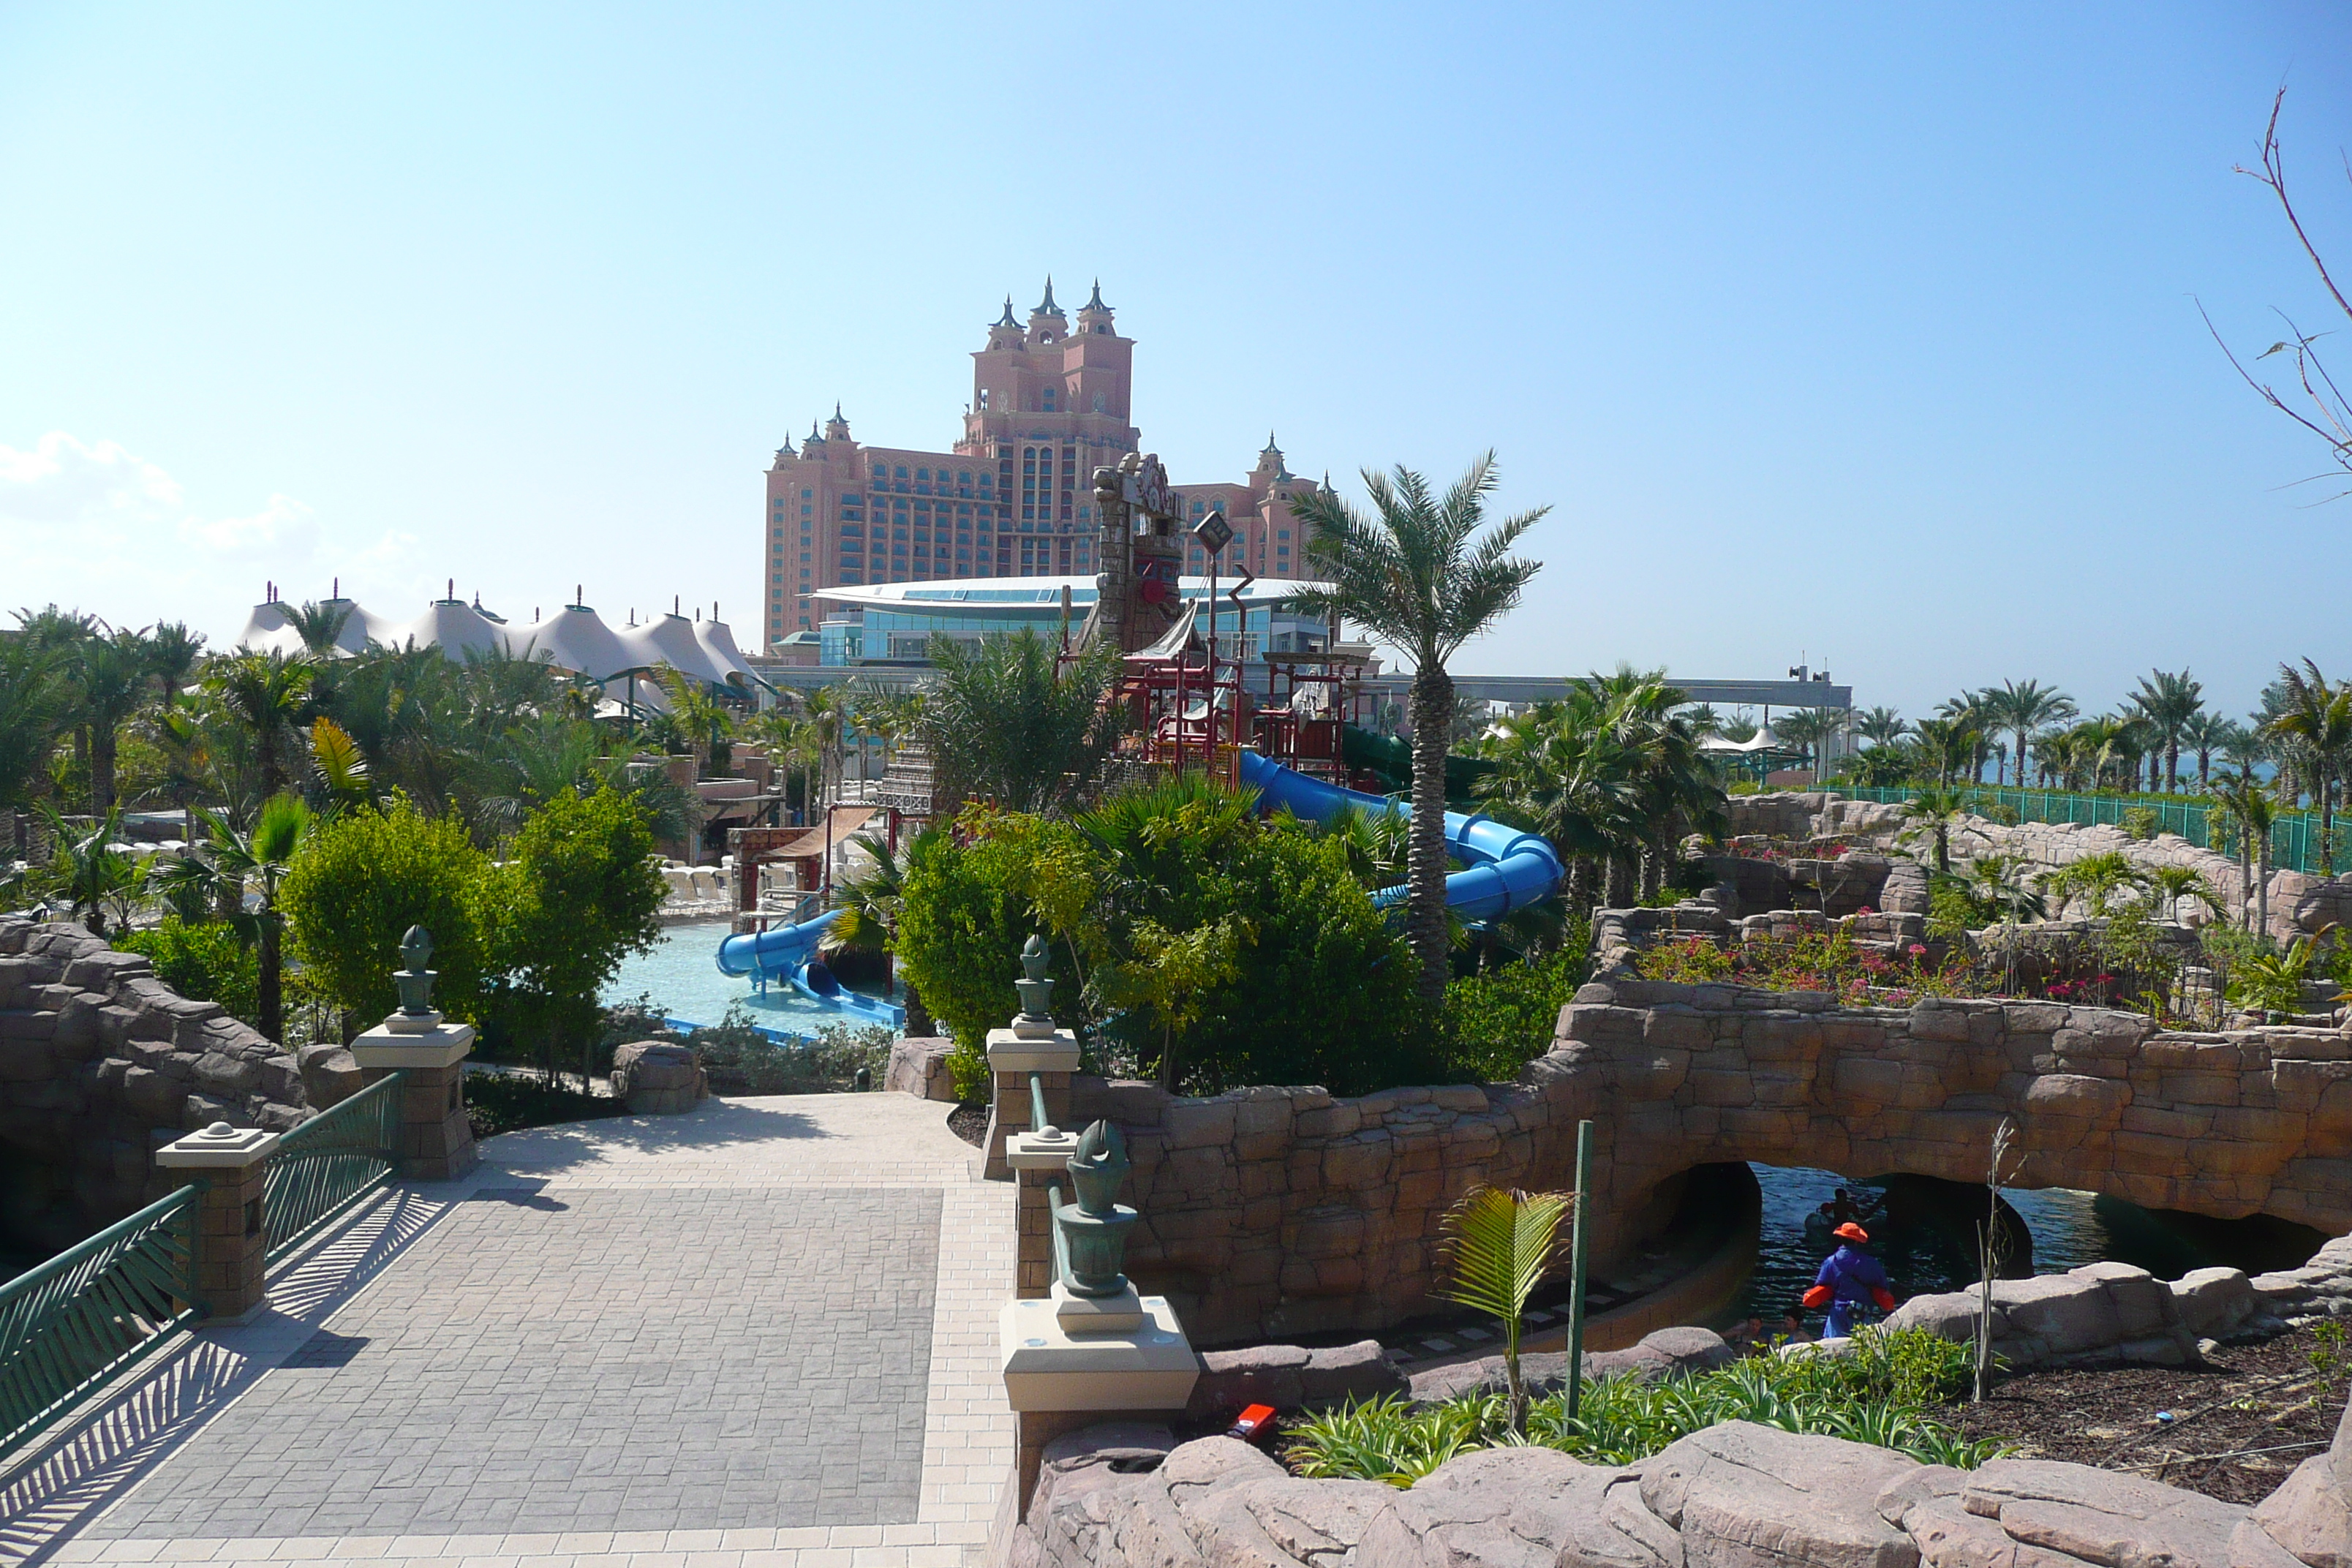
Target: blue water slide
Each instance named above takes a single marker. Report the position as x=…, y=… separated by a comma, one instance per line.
x=790, y=954
x=1506, y=868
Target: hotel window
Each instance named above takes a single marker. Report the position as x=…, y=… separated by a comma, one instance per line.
x=902, y=470
x=805, y=494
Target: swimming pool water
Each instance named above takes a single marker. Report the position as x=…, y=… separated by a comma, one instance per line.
x=681, y=977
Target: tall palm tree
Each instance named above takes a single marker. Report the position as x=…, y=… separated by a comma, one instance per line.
x=110, y=673
x=2168, y=701
x=2249, y=800
x=1948, y=744
x=1967, y=711
x=173, y=654
x=2020, y=708
x=34, y=700
x=1882, y=726
x=1417, y=572
x=265, y=694
x=2206, y=733
x=256, y=860
x=2318, y=718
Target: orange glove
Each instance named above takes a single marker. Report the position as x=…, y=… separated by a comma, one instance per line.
x=1884, y=1298
x=1818, y=1297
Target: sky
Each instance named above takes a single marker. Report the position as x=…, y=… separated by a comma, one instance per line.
x=1836, y=335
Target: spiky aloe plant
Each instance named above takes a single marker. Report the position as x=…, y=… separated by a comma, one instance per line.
x=1498, y=1243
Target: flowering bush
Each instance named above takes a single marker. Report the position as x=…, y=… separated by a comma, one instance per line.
x=1831, y=962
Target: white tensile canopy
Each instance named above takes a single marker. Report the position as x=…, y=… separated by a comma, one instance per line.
x=574, y=637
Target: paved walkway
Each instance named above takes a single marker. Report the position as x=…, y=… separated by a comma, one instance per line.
x=760, y=1334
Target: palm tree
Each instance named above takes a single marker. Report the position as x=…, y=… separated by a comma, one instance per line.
x=1947, y=745
x=1417, y=573
x=320, y=626
x=34, y=700
x=265, y=694
x=1933, y=812
x=1968, y=713
x=109, y=684
x=1498, y=1246
x=701, y=718
x=2248, y=802
x=2205, y=734
x=2174, y=883
x=2318, y=718
x=2168, y=702
x=84, y=866
x=2021, y=708
x=868, y=920
x=1801, y=730
x=256, y=861
x=1007, y=722
x=1564, y=771
x=1882, y=726
x=173, y=654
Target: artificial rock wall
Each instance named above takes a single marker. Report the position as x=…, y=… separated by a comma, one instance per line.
x=1270, y=1213
x=2299, y=903
x=99, y=1062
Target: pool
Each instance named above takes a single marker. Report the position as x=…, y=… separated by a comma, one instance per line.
x=681, y=977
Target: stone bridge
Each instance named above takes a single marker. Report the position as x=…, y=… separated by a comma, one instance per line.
x=1277, y=1212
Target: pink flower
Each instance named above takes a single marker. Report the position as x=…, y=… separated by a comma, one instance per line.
x=1918, y=950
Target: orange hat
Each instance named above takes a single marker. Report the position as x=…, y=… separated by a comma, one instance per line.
x=1850, y=1231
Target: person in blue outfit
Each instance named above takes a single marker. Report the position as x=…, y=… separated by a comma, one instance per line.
x=1849, y=1279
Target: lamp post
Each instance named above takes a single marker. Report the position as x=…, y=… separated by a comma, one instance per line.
x=1215, y=534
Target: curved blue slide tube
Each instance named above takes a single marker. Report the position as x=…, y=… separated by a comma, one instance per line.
x=789, y=952
x=1507, y=869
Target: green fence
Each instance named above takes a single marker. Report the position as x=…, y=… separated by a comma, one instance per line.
x=330, y=1162
x=69, y=1325
x=2295, y=835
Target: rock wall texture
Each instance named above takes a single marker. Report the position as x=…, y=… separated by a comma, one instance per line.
x=1733, y=1496
x=1271, y=1213
x=2299, y=903
x=100, y=1061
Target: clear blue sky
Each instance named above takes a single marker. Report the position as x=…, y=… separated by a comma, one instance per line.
x=1862, y=335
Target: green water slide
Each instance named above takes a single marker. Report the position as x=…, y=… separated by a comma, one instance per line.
x=1391, y=760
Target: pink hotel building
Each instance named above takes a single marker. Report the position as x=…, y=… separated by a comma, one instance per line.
x=1015, y=496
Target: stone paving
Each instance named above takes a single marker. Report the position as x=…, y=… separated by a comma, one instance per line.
x=762, y=1333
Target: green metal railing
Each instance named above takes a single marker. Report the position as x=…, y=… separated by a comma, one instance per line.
x=2295, y=835
x=330, y=1162
x=72, y=1324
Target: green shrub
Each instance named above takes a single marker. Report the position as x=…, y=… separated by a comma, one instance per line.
x=359, y=882
x=1322, y=992
x=503, y=1102
x=1877, y=1393
x=2139, y=822
x=1497, y=1022
x=205, y=963
x=741, y=1060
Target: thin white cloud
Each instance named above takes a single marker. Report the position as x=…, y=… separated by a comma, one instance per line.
x=283, y=529
x=94, y=526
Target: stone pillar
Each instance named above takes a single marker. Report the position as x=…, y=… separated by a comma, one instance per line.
x=436, y=1141
x=1062, y=1373
x=227, y=1164
x=1039, y=1159
x=1013, y=1056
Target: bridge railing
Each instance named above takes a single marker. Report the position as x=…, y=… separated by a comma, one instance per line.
x=69, y=1326
x=329, y=1164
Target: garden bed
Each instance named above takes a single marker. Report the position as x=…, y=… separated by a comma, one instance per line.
x=2284, y=1395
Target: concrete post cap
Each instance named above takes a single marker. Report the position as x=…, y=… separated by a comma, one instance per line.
x=217, y=1147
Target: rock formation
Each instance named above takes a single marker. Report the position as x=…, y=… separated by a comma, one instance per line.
x=100, y=1061
x=1733, y=1496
